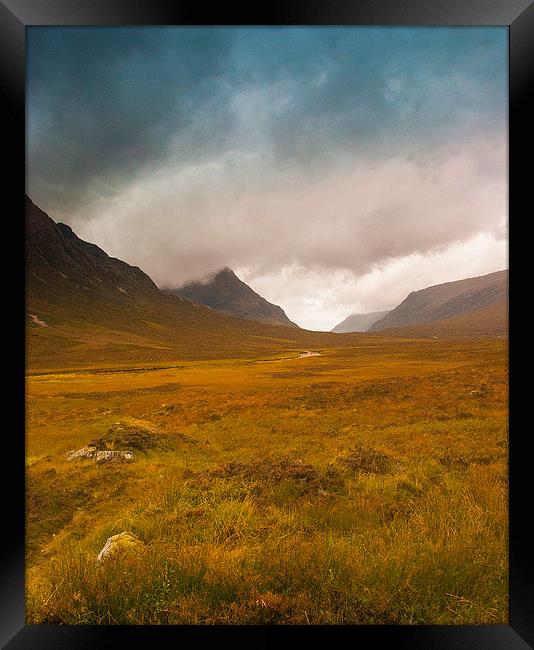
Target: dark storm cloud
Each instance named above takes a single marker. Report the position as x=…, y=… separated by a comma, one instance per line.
x=374, y=90
x=105, y=103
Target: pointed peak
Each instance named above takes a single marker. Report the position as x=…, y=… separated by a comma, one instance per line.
x=224, y=291
x=226, y=271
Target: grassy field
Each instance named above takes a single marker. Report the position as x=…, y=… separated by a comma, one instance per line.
x=365, y=485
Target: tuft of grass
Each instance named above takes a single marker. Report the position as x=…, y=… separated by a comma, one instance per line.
x=366, y=460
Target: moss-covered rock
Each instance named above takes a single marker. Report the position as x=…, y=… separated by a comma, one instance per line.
x=122, y=435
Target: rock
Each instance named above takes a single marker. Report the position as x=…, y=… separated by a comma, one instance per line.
x=119, y=544
x=105, y=456
x=113, y=456
x=84, y=452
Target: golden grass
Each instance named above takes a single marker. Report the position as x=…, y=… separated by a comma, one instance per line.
x=366, y=485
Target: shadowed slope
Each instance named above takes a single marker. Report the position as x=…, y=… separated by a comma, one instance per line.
x=59, y=264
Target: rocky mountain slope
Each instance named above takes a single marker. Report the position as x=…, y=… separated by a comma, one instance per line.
x=227, y=294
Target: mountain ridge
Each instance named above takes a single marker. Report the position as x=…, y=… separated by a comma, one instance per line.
x=447, y=300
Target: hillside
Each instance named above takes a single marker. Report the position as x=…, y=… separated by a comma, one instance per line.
x=358, y=322
x=488, y=322
x=227, y=294
x=447, y=301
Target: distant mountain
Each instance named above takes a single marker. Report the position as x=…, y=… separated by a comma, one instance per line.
x=227, y=294
x=358, y=322
x=451, y=300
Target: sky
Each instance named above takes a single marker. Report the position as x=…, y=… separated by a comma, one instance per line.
x=335, y=170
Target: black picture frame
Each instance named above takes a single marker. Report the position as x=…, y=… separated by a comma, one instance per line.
x=15, y=16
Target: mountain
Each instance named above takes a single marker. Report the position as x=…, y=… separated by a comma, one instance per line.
x=358, y=322
x=227, y=294
x=85, y=308
x=490, y=321
x=452, y=300
x=60, y=265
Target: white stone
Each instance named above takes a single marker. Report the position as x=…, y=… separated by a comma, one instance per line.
x=80, y=454
x=121, y=543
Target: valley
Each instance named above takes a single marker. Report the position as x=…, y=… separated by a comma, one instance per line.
x=266, y=329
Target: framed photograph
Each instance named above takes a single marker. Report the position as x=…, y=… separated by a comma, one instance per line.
x=262, y=389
